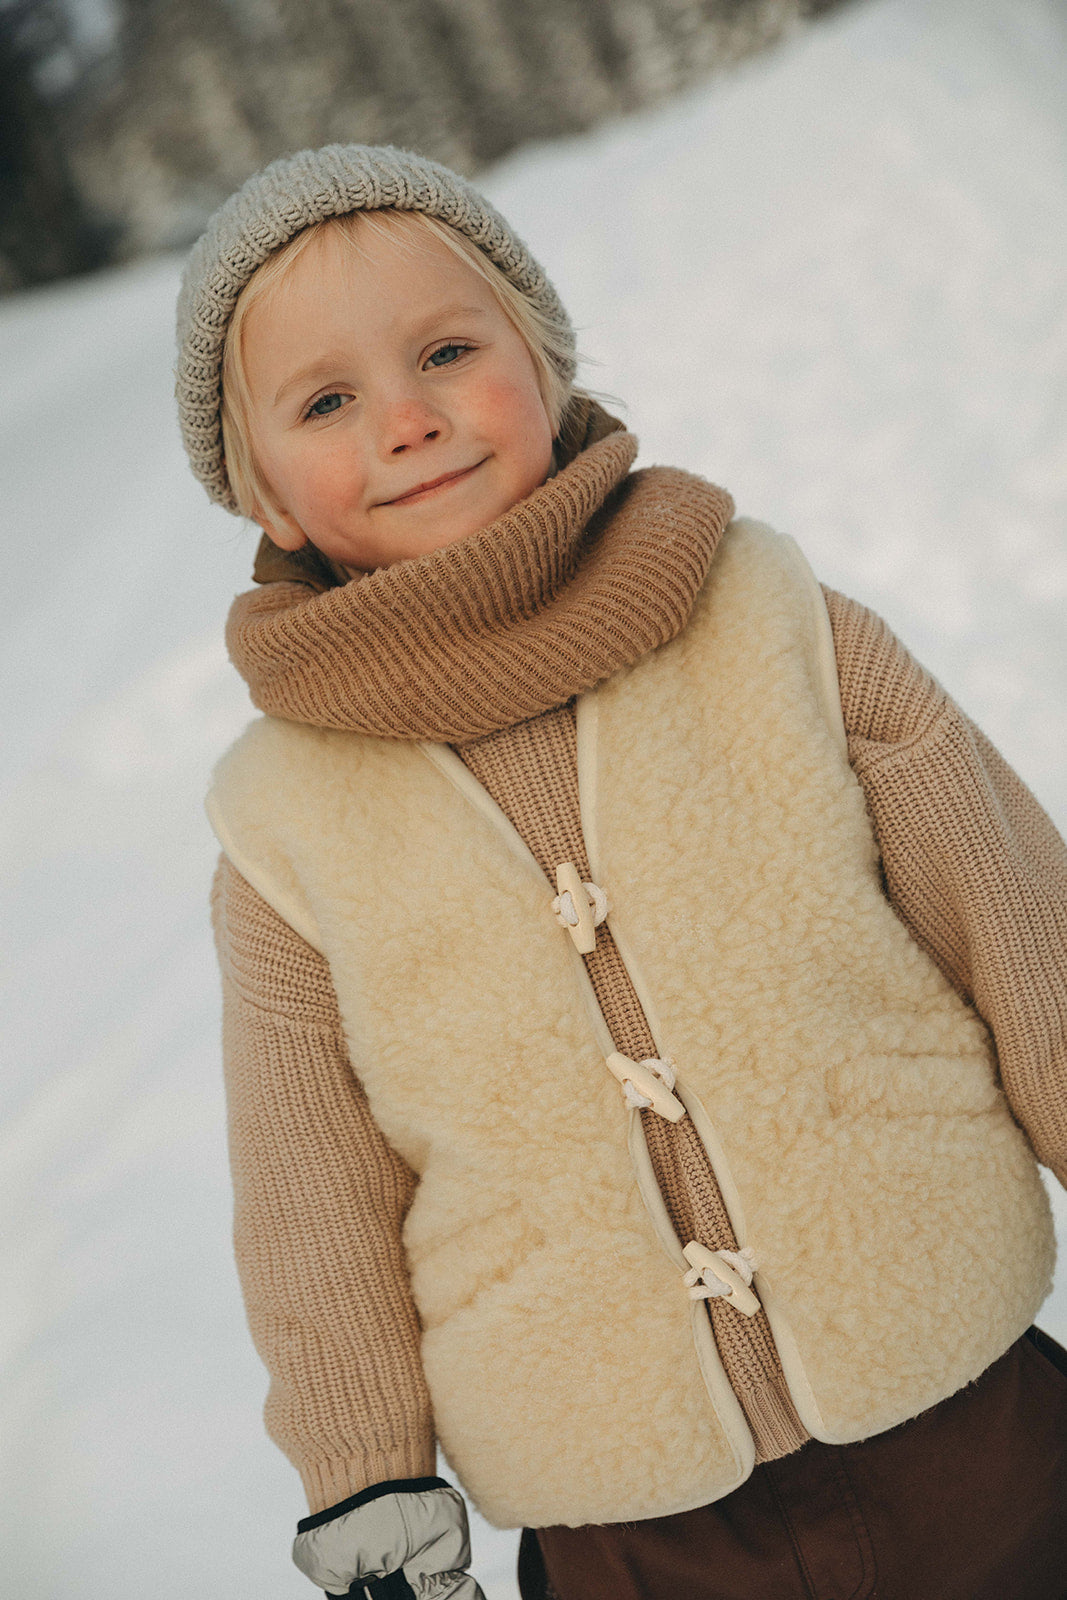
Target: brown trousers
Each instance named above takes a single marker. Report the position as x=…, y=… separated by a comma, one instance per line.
x=966, y=1502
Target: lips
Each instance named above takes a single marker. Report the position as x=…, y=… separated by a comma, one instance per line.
x=432, y=484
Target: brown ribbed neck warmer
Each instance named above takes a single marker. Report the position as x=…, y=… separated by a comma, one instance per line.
x=595, y=568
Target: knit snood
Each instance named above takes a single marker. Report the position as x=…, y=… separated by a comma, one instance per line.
x=598, y=566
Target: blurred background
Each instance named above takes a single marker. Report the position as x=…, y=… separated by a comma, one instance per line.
x=820, y=259
x=128, y=121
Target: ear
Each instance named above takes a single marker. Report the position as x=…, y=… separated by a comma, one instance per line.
x=281, y=529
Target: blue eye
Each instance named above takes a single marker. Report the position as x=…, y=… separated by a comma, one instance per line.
x=323, y=406
x=445, y=356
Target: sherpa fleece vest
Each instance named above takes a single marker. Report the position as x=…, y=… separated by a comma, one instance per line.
x=846, y=1096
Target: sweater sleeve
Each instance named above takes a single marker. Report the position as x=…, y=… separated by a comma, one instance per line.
x=319, y=1200
x=972, y=864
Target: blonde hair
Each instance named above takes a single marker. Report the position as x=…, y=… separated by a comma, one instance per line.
x=547, y=347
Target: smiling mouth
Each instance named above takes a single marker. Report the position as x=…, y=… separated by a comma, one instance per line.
x=424, y=490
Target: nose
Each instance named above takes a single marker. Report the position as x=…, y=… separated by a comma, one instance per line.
x=408, y=423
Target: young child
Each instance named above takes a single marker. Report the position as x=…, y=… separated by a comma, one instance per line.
x=645, y=991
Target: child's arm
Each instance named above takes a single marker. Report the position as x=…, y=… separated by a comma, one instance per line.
x=973, y=866
x=319, y=1201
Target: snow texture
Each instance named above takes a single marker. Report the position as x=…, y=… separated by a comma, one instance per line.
x=835, y=283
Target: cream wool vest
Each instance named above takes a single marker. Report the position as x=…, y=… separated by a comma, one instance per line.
x=846, y=1096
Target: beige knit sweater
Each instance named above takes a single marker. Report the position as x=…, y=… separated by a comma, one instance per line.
x=971, y=864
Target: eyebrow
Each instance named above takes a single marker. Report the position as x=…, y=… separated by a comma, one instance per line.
x=329, y=364
x=449, y=311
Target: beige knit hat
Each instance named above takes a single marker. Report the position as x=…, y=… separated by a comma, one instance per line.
x=277, y=203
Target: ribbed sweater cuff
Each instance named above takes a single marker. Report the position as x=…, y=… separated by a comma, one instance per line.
x=327, y=1483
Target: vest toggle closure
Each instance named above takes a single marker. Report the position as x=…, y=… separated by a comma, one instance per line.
x=721, y=1274
x=647, y=1084
x=579, y=907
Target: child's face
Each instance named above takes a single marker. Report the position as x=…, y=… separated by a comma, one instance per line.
x=374, y=374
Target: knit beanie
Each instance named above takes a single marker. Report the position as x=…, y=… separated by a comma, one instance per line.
x=268, y=211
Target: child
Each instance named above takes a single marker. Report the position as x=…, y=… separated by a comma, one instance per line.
x=645, y=990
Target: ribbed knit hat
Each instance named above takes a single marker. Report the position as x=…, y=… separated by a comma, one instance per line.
x=269, y=210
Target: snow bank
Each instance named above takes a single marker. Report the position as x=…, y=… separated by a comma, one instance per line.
x=833, y=282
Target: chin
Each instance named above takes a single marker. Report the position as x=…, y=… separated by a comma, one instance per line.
x=461, y=528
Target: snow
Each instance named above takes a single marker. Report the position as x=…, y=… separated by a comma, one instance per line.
x=835, y=282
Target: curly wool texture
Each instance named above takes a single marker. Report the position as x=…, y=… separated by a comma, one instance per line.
x=772, y=962
x=844, y=1064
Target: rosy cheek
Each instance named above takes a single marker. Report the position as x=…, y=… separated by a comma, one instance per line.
x=345, y=482
x=505, y=404
x=332, y=486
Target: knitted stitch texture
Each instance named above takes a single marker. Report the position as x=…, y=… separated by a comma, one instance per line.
x=972, y=863
x=590, y=572
x=274, y=205
x=319, y=1201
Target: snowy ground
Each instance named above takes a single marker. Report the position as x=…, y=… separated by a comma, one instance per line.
x=834, y=283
